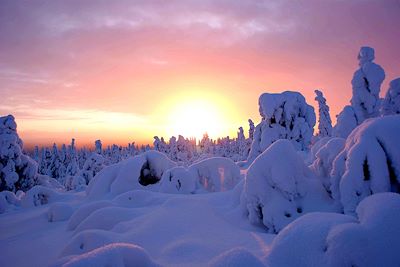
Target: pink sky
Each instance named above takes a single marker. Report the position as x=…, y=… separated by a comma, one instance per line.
x=117, y=70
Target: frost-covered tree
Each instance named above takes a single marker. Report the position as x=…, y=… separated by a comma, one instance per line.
x=98, y=147
x=279, y=188
x=251, y=129
x=324, y=118
x=369, y=163
x=391, y=102
x=346, y=121
x=17, y=170
x=284, y=116
x=366, y=85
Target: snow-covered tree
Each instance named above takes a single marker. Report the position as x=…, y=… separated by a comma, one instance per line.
x=17, y=170
x=279, y=188
x=366, y=85
x=98, y=147
x=251, y=129
x=346, y=121
x=324, y=118
x=284, y=116
x=391, y=102
x=369, y=163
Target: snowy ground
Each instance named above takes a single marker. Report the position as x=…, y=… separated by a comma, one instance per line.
x=176, y=230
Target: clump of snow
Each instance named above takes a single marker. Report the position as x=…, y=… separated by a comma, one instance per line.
x=328, y=239
x=324, y=119
x=391, y=102
x=346, y=122
x=324, y=157
x=40, y=195
x=284, y=116
x=17, y=170
x=215, y=174
x=59, y=212
x=279, y=188
x=236, y=257
x=178, y=180
x=366, y=85
x=115, y=254
x=133, y=173
x=369, y=163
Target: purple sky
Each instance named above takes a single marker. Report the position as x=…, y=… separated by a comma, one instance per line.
x=114, y=65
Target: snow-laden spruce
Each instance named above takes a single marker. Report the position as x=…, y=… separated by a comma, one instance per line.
x=369, y=163
x=279, y=188
x=17, y=170
x=391, y=102
x=366, y=84
x=284, y=116
x=335, y=240
x=324, y=118
x=346, y=121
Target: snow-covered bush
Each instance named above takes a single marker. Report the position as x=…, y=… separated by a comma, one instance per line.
x=215, y=174
x=9, y=200
x=369, y=163
x=178, y=180
x=133, y=173
x=324, y=157
x=324, y=118
x=93, y=165
x=39, y=195
x=346, y=121
x=333, y=240
x=366, y=85
x=279, y=188
x=284, y=116
x=391, y=102
x=59, y=212
x=17, y=170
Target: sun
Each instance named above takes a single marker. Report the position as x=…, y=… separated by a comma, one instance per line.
x=194, y=118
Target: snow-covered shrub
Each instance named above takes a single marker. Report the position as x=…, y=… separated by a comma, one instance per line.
x=17, y=171
x=39, y=195
x=324, y=157
x=369, y=163
x=133, y=173
x=279, y=188
x=215, y=174
x=93, y=165
x=324, y=118
x=115, y=254
x=178, y=180
x=284, y=116
x=391, y=102
x=366, y=85
x=346, y=121
x=9, y=200
x=59, y=212
x=334, y=240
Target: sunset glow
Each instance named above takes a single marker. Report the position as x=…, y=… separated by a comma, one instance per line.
x=128, y=71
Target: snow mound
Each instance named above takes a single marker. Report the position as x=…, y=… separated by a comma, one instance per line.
x=178, y=180
x=59, y=212
x=133, y=173
x=328, y=239
x=369, y=163
x=279, y=188
x=84, y=211
x=284, y=116
x=236, y=257
x=116, y=255
x=216, y=174
x=40, y=195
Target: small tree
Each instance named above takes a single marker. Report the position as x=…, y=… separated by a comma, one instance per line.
x=324, y=119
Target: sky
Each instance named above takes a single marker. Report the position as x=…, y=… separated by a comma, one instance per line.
x=125, y=71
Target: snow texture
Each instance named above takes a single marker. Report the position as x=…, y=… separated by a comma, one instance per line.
x=369, y=163
x=284, y=116
x=334, y=240
x=279, y=188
